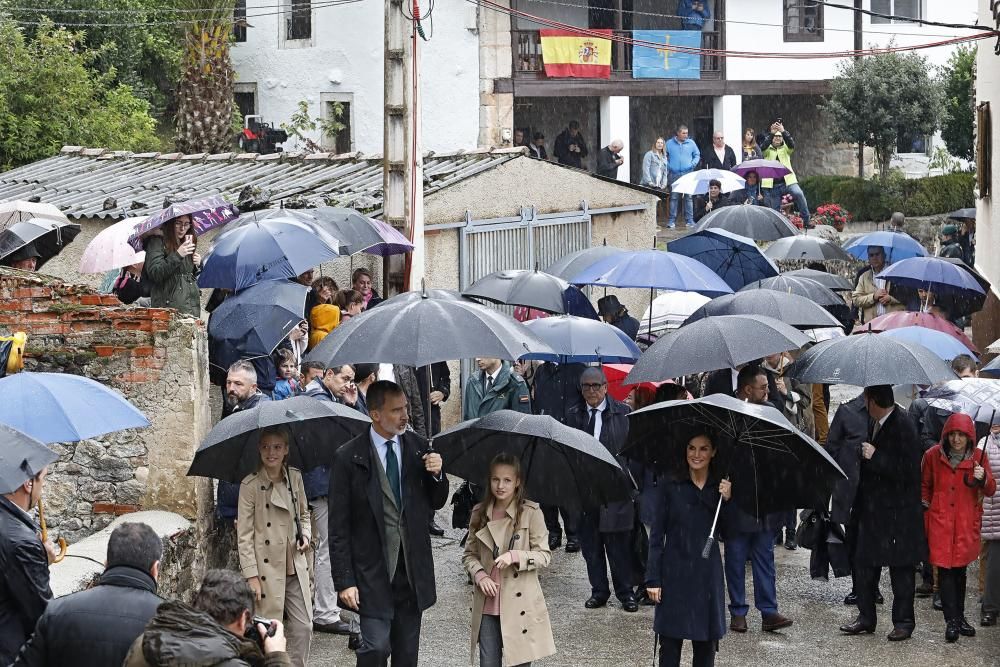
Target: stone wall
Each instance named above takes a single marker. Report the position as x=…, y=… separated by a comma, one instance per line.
x=156, y=358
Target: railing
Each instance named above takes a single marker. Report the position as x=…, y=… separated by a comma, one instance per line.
x=527, y=53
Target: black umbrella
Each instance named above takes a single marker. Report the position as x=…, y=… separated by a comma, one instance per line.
x=791, y=309
x=577, y=262
x=48, y=237
x=966, y=302
x=712, y=343
x=424, y=327
x=21, y=458
x=963, y=214
x=808, y=288
x=757, y=222
x=806, y=247
x=561, y=465
x=316, y=428
x=254, y=321
x=831, y=281
x=868, y=359
x=532, y=289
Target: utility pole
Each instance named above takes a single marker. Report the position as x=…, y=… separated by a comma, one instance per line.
x=402, y=162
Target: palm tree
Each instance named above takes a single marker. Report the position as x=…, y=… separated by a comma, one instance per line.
x=206, y=88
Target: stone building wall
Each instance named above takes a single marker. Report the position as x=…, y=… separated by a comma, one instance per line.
x=155, y=358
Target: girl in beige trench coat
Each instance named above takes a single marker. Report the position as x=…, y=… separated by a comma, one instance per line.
x=510, y=622
x=274, y=564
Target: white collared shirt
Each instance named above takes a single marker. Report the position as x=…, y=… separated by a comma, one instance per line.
x=598, y=419
x=879, y=284
x=382, y=449
x=385, y=372
x=491, y=378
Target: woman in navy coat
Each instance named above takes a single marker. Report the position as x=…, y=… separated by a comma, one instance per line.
x=689, y=590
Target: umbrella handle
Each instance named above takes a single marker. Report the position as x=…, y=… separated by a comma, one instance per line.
x=711, y=534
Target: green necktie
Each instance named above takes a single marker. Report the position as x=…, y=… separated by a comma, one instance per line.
x=392, y=472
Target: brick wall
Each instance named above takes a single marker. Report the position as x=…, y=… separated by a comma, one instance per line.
x=155, y=357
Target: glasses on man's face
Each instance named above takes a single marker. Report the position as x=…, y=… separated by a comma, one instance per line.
x=593, y=386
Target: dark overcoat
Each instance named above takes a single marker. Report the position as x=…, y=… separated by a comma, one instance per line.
x=694, y=598
x=616, y=517
x=24, y=586
x=848, y=430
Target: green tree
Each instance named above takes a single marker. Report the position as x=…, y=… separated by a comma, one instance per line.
x=302, y=123
x=957, y=83
x=877, y=97
x=51, y=96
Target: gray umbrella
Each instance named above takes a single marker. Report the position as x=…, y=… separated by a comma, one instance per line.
x=868, y=359
x=724, y=341
x=791, y=309
x=561, y=465
x=806, y=247
x=759, y=223
x=831, y=281
x=532, y=289
x=577, y=262
x=424, y=327
x=808, y=288
x=21, y=458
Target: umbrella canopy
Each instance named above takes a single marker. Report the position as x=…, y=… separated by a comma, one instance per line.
x=258, y=250
x=808, y=288
x=407, y=329
x=21, y=458
x=253, y=322
x=831, y=281
x=696, y=182
x=937, y=342
x=670, y=309
x=356, y=232
x=933, y=274
x=868, y=359
x=759, y=223
x=963, y=214
x=206, y=213
x=734, y=258
x=791, y=309
x=532, y=289
x=773, y=466
x=806, y=247
x=991, y=370
x=561, y=466
x=110, y=249
x=725, y=341
x=977, y=397
x=316, y=429
x=896, y=246
x=654, y=269
x=59, y=407
x=24, y=211
x=48, y=237
x=577, y=262
x=902, y=318
x=581, y=340
x=764, y=168
x=617, y=388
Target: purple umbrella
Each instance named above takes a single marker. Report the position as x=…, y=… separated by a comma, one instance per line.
x=764, y=168
x=206, y=213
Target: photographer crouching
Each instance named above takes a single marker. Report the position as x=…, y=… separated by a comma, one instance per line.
x=219, y=629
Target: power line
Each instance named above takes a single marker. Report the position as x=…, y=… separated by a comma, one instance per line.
x=894, y=17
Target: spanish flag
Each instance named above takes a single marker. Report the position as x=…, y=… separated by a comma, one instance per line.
x=570, y=54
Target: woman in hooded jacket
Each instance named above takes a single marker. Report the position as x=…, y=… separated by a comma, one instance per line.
x=955, y=478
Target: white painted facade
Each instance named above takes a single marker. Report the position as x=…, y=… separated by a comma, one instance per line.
x=342, y=61
x=988, y=212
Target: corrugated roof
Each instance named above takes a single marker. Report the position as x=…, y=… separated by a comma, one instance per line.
x=80, y=180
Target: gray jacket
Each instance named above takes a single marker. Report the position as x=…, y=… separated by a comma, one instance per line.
x=991, y=504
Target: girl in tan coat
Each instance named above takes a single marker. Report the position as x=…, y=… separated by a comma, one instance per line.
x=510, y=621
x=274, y=561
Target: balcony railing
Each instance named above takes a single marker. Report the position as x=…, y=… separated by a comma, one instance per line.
x=527, y=51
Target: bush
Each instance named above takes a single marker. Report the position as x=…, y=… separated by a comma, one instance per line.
x=871, y=200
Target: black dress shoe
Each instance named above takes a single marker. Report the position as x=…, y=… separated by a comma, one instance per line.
x=338, y=628
x=924, y=590
x=951, y=632
x=436, y=530
x=790, y=543
x=857, y=628
x=594, y=602
x=965, y=629
x=354, y=643
x=738, y=623
x=988, y=619
x=936, y=603
x=851, y=599
x=630, y=604
x=899, y=635
x=572, y=546
x=555, y=541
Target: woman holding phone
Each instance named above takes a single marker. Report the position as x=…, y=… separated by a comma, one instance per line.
x=172, y=264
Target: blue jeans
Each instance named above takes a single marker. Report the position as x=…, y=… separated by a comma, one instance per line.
x=688, y=204
x=772, y=197
x=759, y=548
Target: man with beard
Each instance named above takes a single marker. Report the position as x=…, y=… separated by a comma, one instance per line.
x=241, y=394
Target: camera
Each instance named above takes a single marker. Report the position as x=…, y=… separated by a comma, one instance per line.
x=253, y=633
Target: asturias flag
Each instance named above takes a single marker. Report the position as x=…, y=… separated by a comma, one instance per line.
x=570, y=54
x=650, y=63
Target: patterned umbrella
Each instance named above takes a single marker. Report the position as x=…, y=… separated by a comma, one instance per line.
x=206, y=213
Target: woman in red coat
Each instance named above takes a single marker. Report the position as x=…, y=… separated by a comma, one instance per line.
x=956, y=476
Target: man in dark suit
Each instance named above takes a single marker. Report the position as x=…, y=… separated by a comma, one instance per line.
x=382, y=489
x=605, y=534
x=886, y=526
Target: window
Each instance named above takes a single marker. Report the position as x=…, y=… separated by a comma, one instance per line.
x=338, y=134
x=246, y=99
x=905, y=10
x=298, y=21
x=240, y=21
x=803, y=21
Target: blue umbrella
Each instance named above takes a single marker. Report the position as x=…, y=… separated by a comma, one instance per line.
x=654, y=269
x=933, y=274
x=897, y=246
x=269, y=249
x=938, y=342
x=734, y=258
x=253, y=322
x=59, y=407
x=991, y=370
x=581, y=340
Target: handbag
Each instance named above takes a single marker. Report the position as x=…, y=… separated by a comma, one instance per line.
x=813, y=528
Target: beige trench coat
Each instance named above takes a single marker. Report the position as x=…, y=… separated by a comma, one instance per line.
x=864, y=298
x=524, y=618
x=265, y=528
